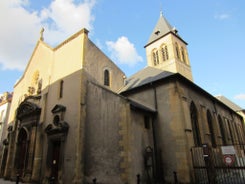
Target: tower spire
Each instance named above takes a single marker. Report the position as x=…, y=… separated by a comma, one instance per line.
x=161, y=13
x=166, y=50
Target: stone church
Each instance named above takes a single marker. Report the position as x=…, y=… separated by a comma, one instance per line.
x=76, y=118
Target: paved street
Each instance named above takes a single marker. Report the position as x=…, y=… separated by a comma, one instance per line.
x=2, y=181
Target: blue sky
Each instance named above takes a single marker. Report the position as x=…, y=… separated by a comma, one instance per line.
x=213, y=29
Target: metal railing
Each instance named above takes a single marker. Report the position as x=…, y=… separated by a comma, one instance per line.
x=213, y=165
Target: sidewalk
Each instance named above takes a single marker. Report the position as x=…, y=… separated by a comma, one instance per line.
x=2, y=181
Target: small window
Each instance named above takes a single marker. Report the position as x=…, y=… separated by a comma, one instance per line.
x=61, y=89
x=106, y=78
x=177, y=50
x=183, y=54
x=155, y=57
x=56, y=120
x=164, y=53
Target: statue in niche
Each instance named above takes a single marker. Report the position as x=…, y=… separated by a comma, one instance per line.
x=39, y=87
x=31, y=90
x=35, y=78
x=36, y=84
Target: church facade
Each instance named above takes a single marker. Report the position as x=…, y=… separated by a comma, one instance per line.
x=76, y=118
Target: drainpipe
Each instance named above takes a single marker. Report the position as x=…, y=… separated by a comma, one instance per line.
x=157, y=164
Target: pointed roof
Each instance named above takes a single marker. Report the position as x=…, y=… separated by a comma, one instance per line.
x=162, y=28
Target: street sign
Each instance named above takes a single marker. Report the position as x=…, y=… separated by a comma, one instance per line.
x=228, y=150
x=229, y=159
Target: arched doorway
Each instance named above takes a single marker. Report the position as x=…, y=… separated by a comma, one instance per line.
x=22, y=152
x=55, y=159
x=4, y=160
x=56, y=133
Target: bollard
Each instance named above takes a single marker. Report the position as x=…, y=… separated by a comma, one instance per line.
x=94, y=181
x=52, y=180
x=17, y=178
x=138, y=178
x=175, y=177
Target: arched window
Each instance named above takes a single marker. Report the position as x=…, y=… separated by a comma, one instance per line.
x=164, y=51
x=177, y=50
x=195, y=126
x=240, y=133
x=183, y=55
x=211, y=128
x=61, y=89
x=155, y=57
x=230, y=131
x=56, y=120
x=222, y=130
x=106, y=78
x=235, y=132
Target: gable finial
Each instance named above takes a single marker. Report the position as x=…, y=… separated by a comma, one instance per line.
x=161, y=14
x=41, y=34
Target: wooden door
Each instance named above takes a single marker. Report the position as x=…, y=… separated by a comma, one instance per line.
x=22, y=152
x=55, y=160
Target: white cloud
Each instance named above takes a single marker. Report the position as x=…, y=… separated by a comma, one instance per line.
x=66, y=17
x=18, y=32
x=240, y=97
x=222, y=16
x=20, y=27
x=123, y=51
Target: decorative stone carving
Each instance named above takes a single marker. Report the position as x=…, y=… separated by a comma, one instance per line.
x=5, y=142
x=31, y=90
x=33, y=98
x=35, y=78
x=26, y=109
x=36, y=84
x=41, y=34
x=58, y=125
x=10, y=128
x=62, y=127
x=58, y=108
x=39, y=87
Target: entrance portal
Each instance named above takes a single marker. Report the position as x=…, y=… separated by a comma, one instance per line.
x=22, y=152
x=4, y=161
x=55, y=160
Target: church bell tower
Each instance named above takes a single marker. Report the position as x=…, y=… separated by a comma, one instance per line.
x=166, y=50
